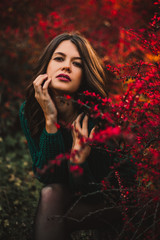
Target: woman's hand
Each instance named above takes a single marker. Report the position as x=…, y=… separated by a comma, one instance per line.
x=80, y=149
x=41, y=84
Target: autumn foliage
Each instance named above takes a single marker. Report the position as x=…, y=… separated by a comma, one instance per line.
x=126, y=34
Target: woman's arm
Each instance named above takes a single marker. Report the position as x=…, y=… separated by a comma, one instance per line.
x=43, y=150
x=50, y=144
x=41, y=85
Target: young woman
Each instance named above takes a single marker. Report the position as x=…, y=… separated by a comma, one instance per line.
x=68, y=66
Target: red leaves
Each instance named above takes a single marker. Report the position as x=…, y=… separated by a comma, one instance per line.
x=43, y=25
x=107, y=133
x=57, y=125
x=76, y=170
x=55, y=15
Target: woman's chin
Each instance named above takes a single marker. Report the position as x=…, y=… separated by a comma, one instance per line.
x=60, y=91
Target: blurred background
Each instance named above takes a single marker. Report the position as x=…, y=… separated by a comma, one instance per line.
x=26, y=28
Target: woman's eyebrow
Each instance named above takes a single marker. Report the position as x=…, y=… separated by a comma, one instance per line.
x=63, y=54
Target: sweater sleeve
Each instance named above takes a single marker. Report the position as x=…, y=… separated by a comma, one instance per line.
x=49, y=146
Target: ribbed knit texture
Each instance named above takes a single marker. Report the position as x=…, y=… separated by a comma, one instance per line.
x=95, y=168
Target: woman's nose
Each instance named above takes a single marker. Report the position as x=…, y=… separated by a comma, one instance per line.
x=66, y=67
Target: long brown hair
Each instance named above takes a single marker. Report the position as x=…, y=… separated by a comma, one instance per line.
x=94, y=76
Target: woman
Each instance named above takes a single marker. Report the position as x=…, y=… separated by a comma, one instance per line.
x=68, y=66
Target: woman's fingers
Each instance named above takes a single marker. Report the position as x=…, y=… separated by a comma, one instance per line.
x=38, y=83
x=80, y=137
x=39, y=80
x=85, y=126
x=41, y=85
x=45, y=86
x=91, y=135
x=77, y=125
x=81, y=129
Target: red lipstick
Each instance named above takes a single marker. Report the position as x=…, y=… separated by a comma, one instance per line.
x=64, y=77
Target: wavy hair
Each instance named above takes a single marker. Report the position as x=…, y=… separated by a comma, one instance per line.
x=94, y=76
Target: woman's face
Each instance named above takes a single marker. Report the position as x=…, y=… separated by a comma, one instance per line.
x=65, y=68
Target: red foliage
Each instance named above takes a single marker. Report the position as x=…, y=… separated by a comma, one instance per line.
x=129, y=44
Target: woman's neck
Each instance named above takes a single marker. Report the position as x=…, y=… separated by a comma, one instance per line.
x=66, y=110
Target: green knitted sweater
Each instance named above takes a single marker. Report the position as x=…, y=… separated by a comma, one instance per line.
x=96, y=167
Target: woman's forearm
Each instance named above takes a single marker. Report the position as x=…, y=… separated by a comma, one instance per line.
x=50, y=125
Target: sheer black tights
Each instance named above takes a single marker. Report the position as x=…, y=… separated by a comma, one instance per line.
x=56, y=217
x=53, y=204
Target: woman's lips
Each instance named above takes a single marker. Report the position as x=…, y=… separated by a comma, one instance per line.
x=64, y=77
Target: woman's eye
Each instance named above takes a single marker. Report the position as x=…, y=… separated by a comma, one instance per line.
x=59, y=59
x=78, y=64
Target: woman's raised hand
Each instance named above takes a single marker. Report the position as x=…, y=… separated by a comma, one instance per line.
x=80, y=136
x=41, y=84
